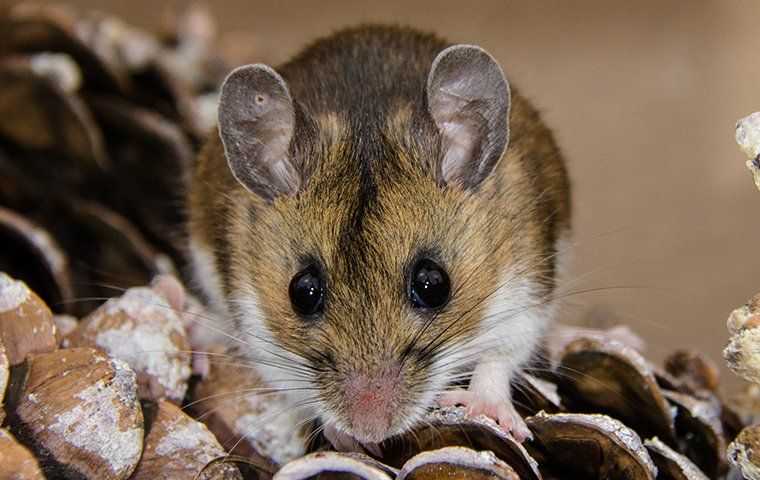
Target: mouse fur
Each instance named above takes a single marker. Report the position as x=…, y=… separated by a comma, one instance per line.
x=362, y=197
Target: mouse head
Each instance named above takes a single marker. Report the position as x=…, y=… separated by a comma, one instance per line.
x=371, y=242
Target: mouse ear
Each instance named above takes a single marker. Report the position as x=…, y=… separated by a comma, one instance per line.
x=256, y=123
x=468, y=98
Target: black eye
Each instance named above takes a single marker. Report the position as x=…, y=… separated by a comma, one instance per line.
x=429, y=285
x=307, y=292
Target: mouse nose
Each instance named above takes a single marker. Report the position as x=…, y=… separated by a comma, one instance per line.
x=371, y=400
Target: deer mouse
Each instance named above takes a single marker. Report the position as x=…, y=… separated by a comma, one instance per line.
x=379, y=219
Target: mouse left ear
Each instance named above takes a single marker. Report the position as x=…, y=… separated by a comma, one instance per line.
x=256, y=124
x=468, y=98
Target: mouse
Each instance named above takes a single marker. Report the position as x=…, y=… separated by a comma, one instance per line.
x=380, y=219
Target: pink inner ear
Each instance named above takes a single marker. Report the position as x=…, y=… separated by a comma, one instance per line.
x=459, y=135
x=281, y=169
x=459, y=147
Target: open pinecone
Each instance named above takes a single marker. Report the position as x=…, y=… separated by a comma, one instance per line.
x=106, y=118
x=102, y=121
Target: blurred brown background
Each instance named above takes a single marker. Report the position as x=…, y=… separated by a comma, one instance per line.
x=643, y=97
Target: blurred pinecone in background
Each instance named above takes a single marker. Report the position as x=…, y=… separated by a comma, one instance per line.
x=101, y=121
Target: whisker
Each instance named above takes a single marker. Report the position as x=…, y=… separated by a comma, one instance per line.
x=259, y=391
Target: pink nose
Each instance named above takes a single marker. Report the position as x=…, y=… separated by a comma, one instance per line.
x=371, y=401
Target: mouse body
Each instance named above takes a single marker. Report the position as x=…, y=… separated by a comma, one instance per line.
x=379, y=220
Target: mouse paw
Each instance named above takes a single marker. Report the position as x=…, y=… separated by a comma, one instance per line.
x=169, y=287
x=343, y=442
x=501, y=411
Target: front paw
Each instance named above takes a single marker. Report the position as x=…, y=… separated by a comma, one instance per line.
x=501, y=411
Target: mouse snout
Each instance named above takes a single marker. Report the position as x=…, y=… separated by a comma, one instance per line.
x=371, y=401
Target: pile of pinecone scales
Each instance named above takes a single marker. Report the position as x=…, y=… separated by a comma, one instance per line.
x=118, y=394
x=117, y=383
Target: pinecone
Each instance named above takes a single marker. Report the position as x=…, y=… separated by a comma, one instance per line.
x=741, y=353
x=597, y=410
x=102, y=122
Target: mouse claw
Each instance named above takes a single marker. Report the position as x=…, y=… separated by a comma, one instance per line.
x=511, y=422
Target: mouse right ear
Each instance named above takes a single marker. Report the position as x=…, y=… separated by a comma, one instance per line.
x=469, y=99
x=256, y=123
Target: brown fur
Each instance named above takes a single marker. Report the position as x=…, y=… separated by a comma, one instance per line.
x=371, y=206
